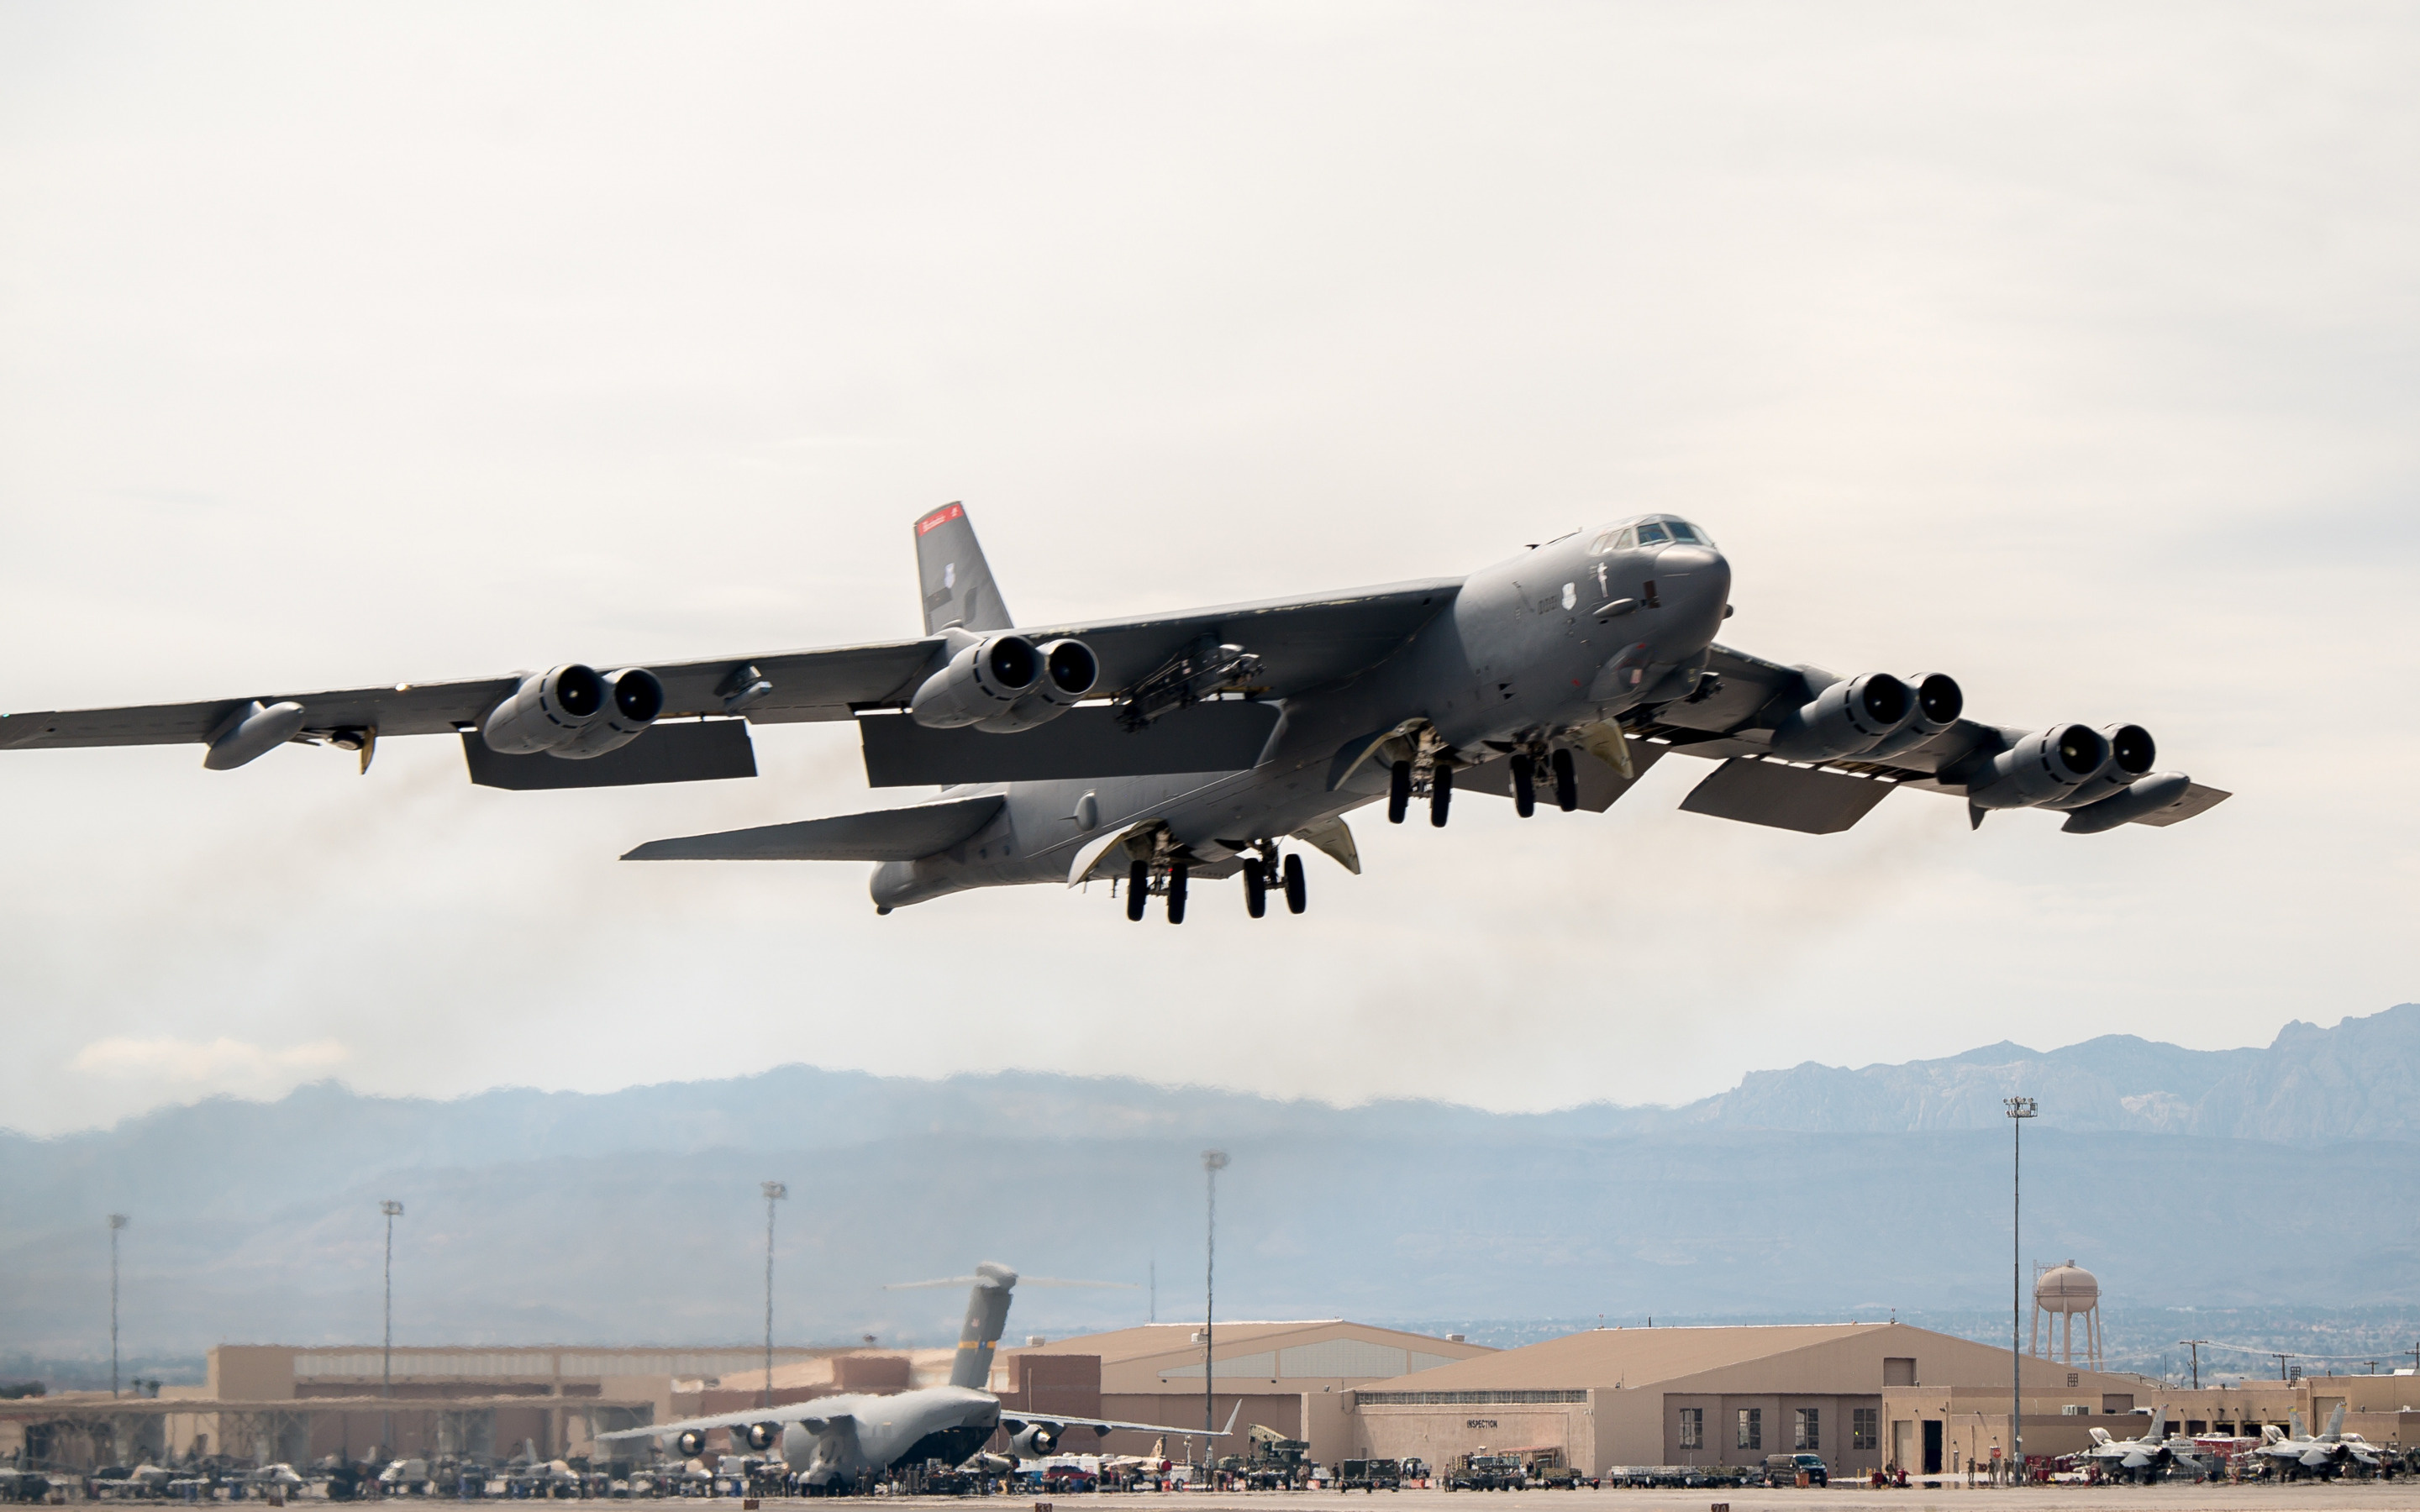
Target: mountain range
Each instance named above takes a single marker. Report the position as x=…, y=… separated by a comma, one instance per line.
x=2225, y=1178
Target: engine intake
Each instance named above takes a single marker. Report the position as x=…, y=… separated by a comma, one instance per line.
x=1845, y=719
x=1939, y=702
x=634, y=699
x=982, y=681
x=2132, y=753
x=762, y=1436
x=691, y=1443
x=1034, y=1441
x=547, y=711
x=1069, y=670
x=2041, y=769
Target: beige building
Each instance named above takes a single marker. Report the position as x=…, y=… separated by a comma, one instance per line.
x=1853, y=1393
x=1293, y=1378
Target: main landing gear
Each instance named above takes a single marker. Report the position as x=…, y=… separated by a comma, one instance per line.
x=1525, y=781
x=1407, y=781
x=1263, y=871
x=1166, y=878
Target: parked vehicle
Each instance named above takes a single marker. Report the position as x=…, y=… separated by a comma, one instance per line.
x=1785, y=1470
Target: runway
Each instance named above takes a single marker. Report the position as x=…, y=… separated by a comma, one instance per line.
x=2300, y=1496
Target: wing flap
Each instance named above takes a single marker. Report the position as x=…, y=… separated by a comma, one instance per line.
x=1781, y=796
x=883, y=835
x=1088, y=742
x=690, y=752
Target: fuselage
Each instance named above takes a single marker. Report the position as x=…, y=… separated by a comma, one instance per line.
x=1566, y=634
x=870, y=1434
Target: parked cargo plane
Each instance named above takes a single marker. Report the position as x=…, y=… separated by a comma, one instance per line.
x=831, y=1441
x=1160, y=750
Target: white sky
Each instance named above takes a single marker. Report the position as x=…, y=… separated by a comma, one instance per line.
x=2069, y=349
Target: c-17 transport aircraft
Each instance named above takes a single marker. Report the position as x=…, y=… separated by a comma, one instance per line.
x=831, y=1441
x=1154, y=751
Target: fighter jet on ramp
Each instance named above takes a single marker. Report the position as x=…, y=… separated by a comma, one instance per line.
x=832, y=1441
x=1222, y=742
x=2141, y=1458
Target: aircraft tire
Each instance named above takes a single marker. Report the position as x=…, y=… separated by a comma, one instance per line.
x=1176, y=894
x=1256, y=889
x=1298, y=894
x=1399, y=793
x=1525, y=784
x=1441, y=795
x=1137, y=890
x=1567, y=782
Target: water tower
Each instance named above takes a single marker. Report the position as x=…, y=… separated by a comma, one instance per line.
x=2061, y=1294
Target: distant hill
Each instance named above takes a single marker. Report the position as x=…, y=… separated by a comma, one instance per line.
x=2182, y=1177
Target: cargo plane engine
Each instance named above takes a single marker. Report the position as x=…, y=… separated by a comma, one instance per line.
x=1006, y=683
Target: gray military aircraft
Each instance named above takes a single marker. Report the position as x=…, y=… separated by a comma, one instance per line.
x=2141, y=1458
x=832, y=1441
x=2333, y=1452
x=1158, y=751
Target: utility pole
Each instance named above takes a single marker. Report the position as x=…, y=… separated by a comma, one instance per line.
x=1213, y=1161
x=392, y=1210
x=2020, y=1109
x=117, y=1222
x=774, y=1192
x=2196, y=1346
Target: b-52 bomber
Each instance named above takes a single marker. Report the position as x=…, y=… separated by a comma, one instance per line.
x=1156, y=751
x=830, y=1443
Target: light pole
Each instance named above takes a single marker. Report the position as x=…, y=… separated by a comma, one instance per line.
x=774, y=1192
x=117, y=1222
x=392, y=1210
x=2194, y=1345
x=1213, y=1161
x=2020, y=1109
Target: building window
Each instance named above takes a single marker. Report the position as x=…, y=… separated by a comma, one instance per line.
x=1693, y=1427
x=1865, y=1428
x=1751, y=1427
x=1806, y=1428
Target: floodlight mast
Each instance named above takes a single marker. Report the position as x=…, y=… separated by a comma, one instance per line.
x=1213, y=1161
x=774, y=1192
x=392, y=1210
x=2020, y=1109
x=117, y=1222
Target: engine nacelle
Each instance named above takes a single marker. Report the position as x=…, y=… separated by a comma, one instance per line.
x=691, y=1443
x=545, y=712
x=1069, y=670
x=2132, y=751
x=762, y=1436
x=980, y=682
x=1034, y=1441
x=633, y=699
x=1845, y=719
x=1939, y=702
x=2040, y=768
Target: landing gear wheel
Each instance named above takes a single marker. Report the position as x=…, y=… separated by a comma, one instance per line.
x=1567, y=781
x=1441, y=795
x=1256, y=889
x=1176, y=893
x=1297, y=896
x=1138, y=889
x=1399, y=793
x=1525, y=784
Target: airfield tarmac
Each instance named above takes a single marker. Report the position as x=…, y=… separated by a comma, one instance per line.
x=2301, y=1496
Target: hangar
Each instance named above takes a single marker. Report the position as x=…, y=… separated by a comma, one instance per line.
x=1717, y=1395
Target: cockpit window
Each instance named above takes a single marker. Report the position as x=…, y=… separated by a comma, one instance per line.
x=1651, y=533
x=1617, y=540
x=1683, y=531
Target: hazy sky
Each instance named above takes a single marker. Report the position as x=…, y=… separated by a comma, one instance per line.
x=2070, y=350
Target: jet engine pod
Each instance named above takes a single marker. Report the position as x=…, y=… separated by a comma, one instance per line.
x=1845, y=718
x=545, y=712
x=980, y=680
x=762, y=1436
x=633, y=699
x=691, y=1443
x=2132, y=751
x=1036, y=1440
x=1069, y=670
x=2040, y=768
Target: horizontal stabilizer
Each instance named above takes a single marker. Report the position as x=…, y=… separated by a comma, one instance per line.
x=1087, y=741
x=885, y=834
x=703, y=752
x=1806, y=799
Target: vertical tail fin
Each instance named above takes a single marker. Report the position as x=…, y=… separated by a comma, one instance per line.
x=2336, y=1421
x=986, y=1314
x=2159, y=1428
x=953, y=576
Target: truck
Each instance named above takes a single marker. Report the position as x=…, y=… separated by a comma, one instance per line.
x=1369, y=1476
x=1795, y=1469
